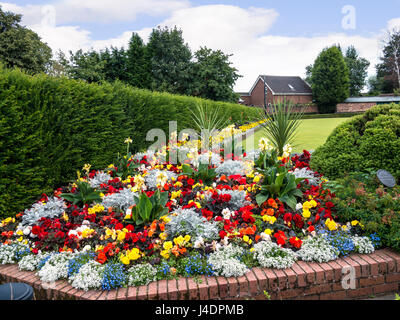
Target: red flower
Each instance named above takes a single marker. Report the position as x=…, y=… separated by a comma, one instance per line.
x=222, y=234
x=119, y=226
x=190, y=182
x=287, y=217
x=280, y=238
x=36, y=230
x=296, y=242
x=298, y=220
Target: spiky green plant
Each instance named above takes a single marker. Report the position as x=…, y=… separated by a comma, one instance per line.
x=208, y=121
x=282, y=123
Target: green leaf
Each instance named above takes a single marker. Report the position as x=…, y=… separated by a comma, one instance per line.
x=261, y=198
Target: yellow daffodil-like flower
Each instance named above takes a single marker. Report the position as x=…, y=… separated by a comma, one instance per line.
x=128, y=140
x=354, y=223
x=87, y=167
x=264, y=144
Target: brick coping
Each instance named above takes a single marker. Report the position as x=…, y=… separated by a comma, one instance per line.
x=375, y=274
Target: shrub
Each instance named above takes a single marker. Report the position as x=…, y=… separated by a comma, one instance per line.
x=371, y=140
x=360, y=197
x=50, y=126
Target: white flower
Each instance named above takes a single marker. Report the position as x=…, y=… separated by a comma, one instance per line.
x=199, y=242
x=299, y=206
x=226, y=213
x=264, y=144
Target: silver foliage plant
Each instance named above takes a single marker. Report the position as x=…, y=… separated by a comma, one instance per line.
x=53, y=208
x=231, y=167
x=100, y=178
x=189, y=222
x=308, y=174
x=151, y=178
x=238, y=198
x=121, y=200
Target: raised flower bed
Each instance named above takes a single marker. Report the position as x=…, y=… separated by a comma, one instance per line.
x=144, y=219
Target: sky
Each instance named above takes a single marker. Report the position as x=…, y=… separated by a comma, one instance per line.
x=264, y=36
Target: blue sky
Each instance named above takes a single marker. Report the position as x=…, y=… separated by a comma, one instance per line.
x=264, y=36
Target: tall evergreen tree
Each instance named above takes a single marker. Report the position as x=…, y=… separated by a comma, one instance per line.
x=21, y=47
x=138, y=63
x=213, y=76
x=170, y=60
x=330, y=79
x=115, y=64
x=358, y=70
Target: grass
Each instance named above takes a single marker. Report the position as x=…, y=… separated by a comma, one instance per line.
x=312, y=133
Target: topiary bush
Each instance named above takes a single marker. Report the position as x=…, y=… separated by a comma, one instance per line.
x=368, y=141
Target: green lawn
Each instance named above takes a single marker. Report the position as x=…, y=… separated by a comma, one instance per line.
x=311, y=133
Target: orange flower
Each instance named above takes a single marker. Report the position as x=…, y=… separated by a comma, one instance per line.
x=257, y=238
x=223, y=178
x=272, y=203
x=162, y=227
x=101, y=258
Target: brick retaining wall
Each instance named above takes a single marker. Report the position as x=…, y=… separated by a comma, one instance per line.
x=354, y=107
x=376, y=274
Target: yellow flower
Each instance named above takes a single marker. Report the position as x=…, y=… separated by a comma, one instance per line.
x=20, y=232
x=269, y=219
x=252, y=250
x=124, y=259
x=331, y=224
x=187, y=238
x=306, y=213
x=163, y=236
x=168, y=245
x=134, y=254
x=178, y=241
x=354, y=223
x=246, y=238
x=268, y=231
x=165, y=254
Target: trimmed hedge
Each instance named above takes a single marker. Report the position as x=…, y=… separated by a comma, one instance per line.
x=50, y=127
x=368, y=141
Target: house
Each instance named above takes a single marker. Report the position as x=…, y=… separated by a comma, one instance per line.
x=271, y=89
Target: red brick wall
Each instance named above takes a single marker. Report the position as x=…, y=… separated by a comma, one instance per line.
x=300, y=99
x=354, y=107
x=375, y=274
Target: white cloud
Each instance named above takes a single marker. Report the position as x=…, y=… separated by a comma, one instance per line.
x=106, y=11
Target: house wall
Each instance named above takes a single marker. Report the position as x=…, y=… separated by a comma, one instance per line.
x=300, y=99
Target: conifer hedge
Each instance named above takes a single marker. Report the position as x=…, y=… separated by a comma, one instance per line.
x=50, y=127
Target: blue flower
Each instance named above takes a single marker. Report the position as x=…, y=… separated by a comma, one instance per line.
x=113, y=276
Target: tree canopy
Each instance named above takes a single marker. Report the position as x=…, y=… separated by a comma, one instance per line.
x=330, y=80
x=21, y=47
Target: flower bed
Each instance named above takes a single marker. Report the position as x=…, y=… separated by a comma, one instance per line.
x=145, y=219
